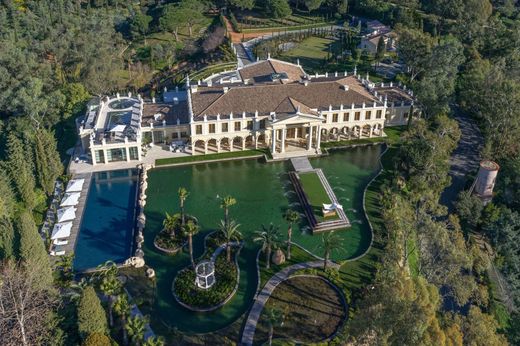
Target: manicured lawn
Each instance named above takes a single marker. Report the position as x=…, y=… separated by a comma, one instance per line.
x=316, y=194
x=311, y=311
x=312, y=52
x=297, y=256
x=211, y=157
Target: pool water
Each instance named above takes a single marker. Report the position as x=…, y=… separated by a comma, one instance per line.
x=263, y=193
x=108, y=220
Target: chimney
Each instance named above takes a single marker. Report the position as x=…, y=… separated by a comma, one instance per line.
x=225, y=89
x=298, y=61
x=306, y=82
x=345, y=87
x=194, y=88
x=210, y=83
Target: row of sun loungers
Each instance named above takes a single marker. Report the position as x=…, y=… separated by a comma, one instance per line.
x=63, y=214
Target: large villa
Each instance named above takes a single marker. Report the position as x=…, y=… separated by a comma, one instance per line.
x=268, y=104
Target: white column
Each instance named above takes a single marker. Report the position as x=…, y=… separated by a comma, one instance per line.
x=273, y=141
x=105, y=157
x=243, y=143
x=218, y=146
x=205, y=148
x=127, y=152
x=295, y=132
x=255, y=138
x=283, y=140
x=318, y=137
x=231, y=140
x=93, y=156
x=309, y=140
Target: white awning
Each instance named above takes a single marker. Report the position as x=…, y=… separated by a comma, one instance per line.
x=66, y=214
x=75, y=185
x=61, y=230
x=70, y=199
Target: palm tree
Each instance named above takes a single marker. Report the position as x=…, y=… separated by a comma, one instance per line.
x=110, y=286
x=135, y=328
x=227, y=202
x=169, y=223
x=274, y=318
x=268, y=236
x=330, y=242
x=291, y=216
x=231, y=233
x=183, y=194
x=154, y=341
x=189, y=230
x=122, y=309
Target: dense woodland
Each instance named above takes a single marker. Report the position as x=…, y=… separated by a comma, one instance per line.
x=432, y=286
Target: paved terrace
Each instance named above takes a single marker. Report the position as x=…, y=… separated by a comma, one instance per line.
x=76, y=223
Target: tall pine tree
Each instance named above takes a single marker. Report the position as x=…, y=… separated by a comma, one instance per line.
x=19, y=167
x=32, y=250
x=91, y=315
x=47, y=160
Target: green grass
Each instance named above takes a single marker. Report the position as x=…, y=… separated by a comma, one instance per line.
x=392, y=138
x=297, y=256
x=211, y=157
x=316, y=193
x=311, y=51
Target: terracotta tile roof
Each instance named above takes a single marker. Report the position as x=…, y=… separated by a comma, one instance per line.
x=168, y=111
x=394, y=94
x=266, y=98
x=261, y=72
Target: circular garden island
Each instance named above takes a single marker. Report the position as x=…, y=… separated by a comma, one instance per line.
x=212, y=280
x=302, y=309
x=172, y=238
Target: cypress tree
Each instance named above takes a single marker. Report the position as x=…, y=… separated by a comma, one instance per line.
x=91, y=315
x=47, y=160
x=32, y=250
x=6, y=238
x=20, y=170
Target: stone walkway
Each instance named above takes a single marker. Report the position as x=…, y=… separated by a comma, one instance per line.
x=248, y=333
x=301, y=164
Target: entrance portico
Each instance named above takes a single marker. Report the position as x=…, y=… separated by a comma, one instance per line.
x=294, y=135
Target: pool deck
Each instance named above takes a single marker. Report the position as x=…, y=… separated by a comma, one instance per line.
x=76, y=224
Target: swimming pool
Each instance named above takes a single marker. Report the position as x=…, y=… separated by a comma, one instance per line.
x=106, y=231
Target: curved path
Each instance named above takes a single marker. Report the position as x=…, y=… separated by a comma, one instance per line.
x=464, y=159
x=248, y=332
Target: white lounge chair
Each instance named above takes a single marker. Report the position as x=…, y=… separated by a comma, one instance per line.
x=57, y=250
x=60, y=241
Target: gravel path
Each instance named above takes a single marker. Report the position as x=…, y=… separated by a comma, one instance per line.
x=248, y=333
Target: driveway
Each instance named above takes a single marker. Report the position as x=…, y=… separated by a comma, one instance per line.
x=464, y=160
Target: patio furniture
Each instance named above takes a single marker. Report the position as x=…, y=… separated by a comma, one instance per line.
x=70, y=199
x=330, y=209
x=60, y=241
x=57, y=250
x=66, y=214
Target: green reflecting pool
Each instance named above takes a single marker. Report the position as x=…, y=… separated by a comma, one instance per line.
x=263, y=193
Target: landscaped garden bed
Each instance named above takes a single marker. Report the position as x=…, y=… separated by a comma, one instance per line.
x=227, y=274
x=170, y=241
